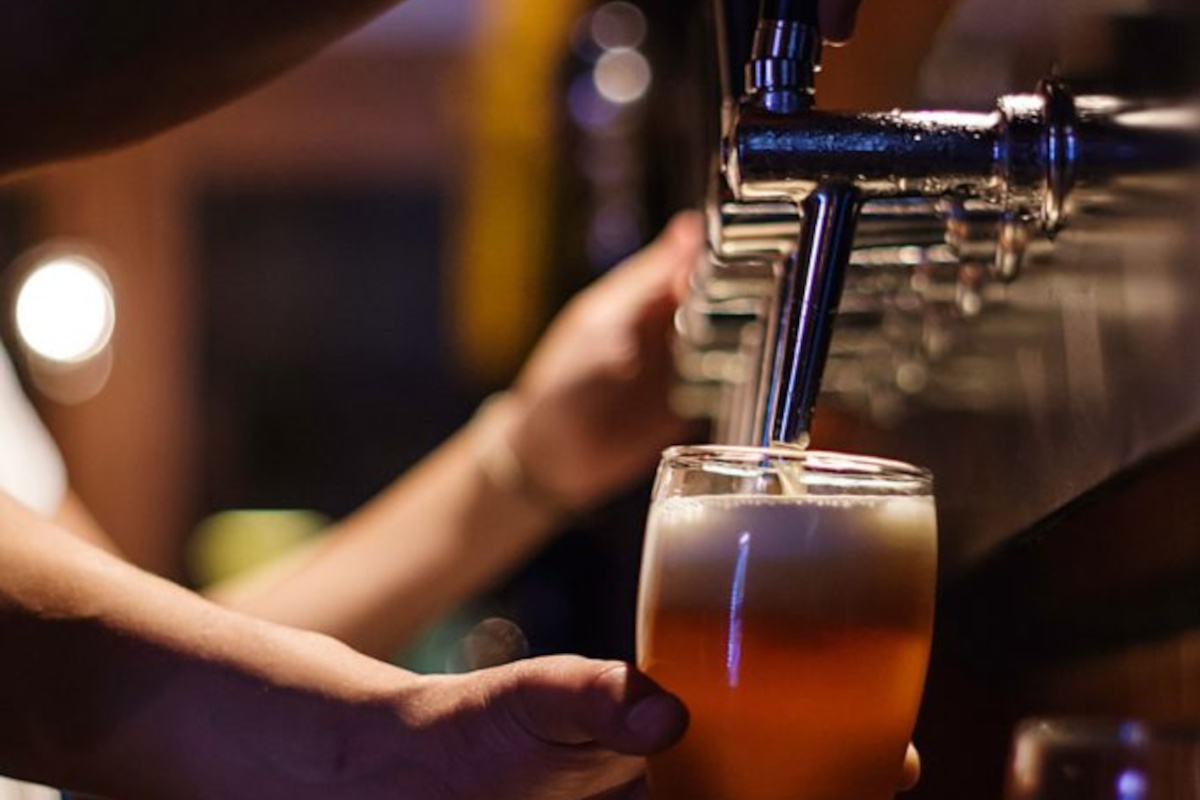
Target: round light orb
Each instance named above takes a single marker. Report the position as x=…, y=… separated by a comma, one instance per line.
x=618, y=25
x=64, y=309
x=622, y=76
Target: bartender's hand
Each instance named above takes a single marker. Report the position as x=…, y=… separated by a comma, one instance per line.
x=590, y=408
x=836, y=18
x=559, y=728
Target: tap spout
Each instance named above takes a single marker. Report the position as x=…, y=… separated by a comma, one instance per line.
x=810, y=290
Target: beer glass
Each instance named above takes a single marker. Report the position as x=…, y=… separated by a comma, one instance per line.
x=1094, y=759
x=787, y=598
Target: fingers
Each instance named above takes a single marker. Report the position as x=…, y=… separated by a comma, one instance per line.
x=837, y=19
x=567, y=700
x=912, y=769
x=667, y=261
x=673, y=255
x=685, y=231
x=683, y=234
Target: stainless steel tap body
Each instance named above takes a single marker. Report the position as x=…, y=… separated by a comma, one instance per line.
x=1029, y=156
x=1022, y=156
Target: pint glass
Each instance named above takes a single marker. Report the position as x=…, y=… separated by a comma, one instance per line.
x=787, y=598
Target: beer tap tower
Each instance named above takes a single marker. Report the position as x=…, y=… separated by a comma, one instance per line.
x=797, y=189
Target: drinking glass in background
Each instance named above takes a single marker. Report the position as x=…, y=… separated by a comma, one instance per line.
x=1082, y=759
x=787, y=598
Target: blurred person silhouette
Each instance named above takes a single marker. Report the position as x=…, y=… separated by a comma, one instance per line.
x=116, y=682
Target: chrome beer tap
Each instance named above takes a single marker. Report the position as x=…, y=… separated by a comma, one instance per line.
x=800, y=195
x=780, y=82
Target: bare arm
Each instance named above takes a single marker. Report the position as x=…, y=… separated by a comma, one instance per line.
x=75, y=518
x=435, y=537
x=117, y=683
x=588, y=415
x=100, y=658
x=84, y=75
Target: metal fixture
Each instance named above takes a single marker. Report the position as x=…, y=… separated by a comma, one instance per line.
x=801, y=194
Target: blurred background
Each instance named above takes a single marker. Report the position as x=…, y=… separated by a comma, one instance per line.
x=278, y=308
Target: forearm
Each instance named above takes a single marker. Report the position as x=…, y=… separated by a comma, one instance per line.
x=84, y=75
x=116, y=682
x=439, y=534
x=587, y=416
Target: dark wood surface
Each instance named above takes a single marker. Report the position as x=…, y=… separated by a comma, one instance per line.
x=1095, y=612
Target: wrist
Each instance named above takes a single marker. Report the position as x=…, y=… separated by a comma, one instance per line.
x=503, y=464
x=301, y=711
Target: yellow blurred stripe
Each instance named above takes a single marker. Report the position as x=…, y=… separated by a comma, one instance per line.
x=499, y=284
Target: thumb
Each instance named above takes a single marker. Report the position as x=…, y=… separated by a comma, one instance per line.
x=567, y=700
x=687, y=235
x=663, y=266
x=683, y=235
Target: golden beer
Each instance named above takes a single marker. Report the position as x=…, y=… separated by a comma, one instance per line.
x=795, y=627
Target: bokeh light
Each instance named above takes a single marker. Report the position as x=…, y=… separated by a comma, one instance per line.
x=618, y=25
x=65, y=312
x=622, y=76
